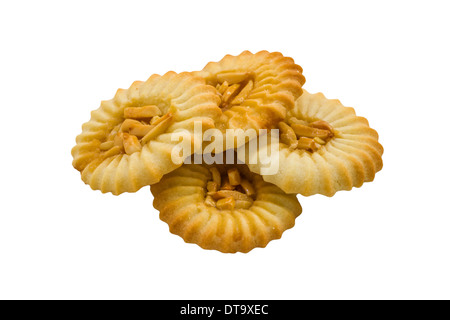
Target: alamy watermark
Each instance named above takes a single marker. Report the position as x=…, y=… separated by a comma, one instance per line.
x=212, y=146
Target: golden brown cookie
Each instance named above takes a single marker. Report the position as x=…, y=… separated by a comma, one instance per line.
x=223, y=207
x=127, y=144
x=255, y=89
x=323, y=148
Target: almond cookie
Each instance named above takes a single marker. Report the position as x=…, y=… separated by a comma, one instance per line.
x=323, y=148
x=255, y=89
x=127, y=144
x=224, y=207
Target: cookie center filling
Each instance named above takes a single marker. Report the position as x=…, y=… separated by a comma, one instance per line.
x=303, y=135
x=234, y=87
x=229, y=191
x=140, y=125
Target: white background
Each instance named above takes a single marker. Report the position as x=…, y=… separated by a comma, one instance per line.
x=61, y=240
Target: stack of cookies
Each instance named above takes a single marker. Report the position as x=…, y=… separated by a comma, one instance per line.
x=227, y=115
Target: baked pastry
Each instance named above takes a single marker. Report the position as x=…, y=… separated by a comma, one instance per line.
x=223, y=207
x=323, y=148
x=255, y=89
x=127, y=144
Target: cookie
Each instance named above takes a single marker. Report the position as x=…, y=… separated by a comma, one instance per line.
x=223, y=207
x=256, y=90
x=323, y=148
x=127, y=144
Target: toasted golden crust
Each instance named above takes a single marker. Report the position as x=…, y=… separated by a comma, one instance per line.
x=350, y=156
x=255, y=89
x=127, y=142
x=190, y=204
